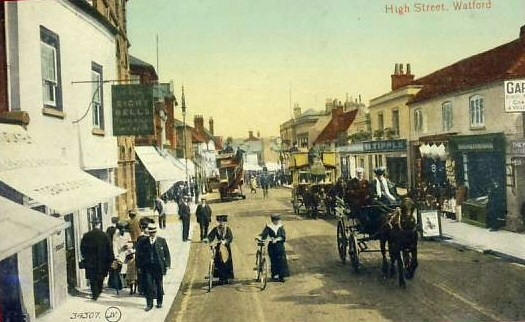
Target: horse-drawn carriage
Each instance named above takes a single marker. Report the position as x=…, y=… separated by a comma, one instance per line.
x=395, y=225
x=312, y=178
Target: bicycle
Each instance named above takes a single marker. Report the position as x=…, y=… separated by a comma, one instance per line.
x=261, y=265
x=211, y=265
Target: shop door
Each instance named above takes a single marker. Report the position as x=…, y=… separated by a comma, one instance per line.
x=41, y=277
x=71, y=262
x=10, y=304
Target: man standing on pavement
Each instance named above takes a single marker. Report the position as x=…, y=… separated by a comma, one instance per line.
x=97, y=258
x=153, y=259
x=184, y=214
x=161, y=209
x=203, y=217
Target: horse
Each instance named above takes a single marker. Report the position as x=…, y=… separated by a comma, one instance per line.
x=399, y=230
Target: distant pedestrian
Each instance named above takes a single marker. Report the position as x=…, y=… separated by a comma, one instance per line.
x=203, y=214
x=97, y=258
x=131, y=271
x=495, y=206
x=160, y=207
x=153, y=259
x=275, y=232
x=144, y=222
x=121, y=239
x=184, y=214
x=253, y=185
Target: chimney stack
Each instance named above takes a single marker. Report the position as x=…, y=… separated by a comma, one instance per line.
x=198, y=122
x=211, y=126
x=258, y=134
x=399, y=79
x=522, y=32
x=250, y=134
x=296, y=111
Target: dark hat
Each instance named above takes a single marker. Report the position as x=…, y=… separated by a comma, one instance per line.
x=222, y=218
x=132, y=212
x=379, y=171
x=276, y=217
x=152, y=228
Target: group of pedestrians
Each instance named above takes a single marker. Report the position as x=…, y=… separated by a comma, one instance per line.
x=129, y=251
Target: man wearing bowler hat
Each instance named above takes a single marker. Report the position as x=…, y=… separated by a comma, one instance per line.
x=184, y=214
x=153, y=260
x=203, y=214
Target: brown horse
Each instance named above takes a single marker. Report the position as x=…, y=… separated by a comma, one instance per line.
x=399, y=229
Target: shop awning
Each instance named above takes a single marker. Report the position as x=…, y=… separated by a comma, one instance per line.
x=37, y=170
x=160, y=167
x=22, y=227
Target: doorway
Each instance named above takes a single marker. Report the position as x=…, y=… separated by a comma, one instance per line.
x=11, y=308
x=41, y=277
x=71, y=262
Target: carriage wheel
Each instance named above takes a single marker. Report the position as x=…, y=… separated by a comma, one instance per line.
x=342, y=242
x=210, y=275
x=353, y=251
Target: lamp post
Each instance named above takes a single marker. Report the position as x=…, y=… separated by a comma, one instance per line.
x=183, y=106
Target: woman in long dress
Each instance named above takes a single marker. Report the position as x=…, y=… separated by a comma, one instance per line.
x=223, y=254
x=277, y=235
x=121, y=238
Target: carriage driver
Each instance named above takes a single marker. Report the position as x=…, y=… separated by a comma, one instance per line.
x=380, y=191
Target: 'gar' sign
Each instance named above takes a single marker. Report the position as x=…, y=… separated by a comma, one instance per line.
x=515, y=95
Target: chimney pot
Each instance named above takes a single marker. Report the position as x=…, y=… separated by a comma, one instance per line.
x=396, y=69
x=211, y=126
x=409, y=71
x=401, y=69
x=522, y=32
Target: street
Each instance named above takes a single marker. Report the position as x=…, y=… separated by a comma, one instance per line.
x=450, y=283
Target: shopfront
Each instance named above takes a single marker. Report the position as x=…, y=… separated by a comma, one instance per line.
x=391, y=154
x=480, y=171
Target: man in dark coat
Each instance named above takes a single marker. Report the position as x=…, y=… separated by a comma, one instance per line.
x=184, y=214
x=223, y=253
x=153, y=259
x=495, y=206
x=275, y=232
x=203, y=214
x=97, y=258
x=160, y=208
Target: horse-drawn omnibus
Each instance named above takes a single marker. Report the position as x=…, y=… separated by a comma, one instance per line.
x=312, y=177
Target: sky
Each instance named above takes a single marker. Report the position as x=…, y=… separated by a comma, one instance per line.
x=239, y=60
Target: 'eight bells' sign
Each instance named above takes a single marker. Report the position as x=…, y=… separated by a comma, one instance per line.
x=515, y=95
x=132, y=109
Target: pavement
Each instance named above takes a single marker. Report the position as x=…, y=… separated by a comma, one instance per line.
x=131, y=308
x=506, y=244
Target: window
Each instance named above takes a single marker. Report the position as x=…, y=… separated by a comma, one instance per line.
x=446, y=116
x=97, y=102
x=303, y=141
x=94, y=216
x=418, y=121
x=395, y=122
x=380, y=121
x=477, y=111
x=50, y=67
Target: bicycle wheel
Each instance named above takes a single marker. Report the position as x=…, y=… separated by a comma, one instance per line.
x=257, y=266
x=210, y=275
x=263, y=271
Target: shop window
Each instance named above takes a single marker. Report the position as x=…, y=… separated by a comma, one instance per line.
x=395, y=122
x=477, y=111
x=418, y=121
x=50, y=67
x=97, y=102
x=94, y=216
x=446, y=116
x=41, y=277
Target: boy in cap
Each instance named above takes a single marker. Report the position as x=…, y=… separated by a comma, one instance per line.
x=223, y=254
x=152, y=260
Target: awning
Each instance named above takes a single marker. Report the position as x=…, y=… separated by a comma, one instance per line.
x=160, y=167
x=22, y=227
x=251, y=167
x=272, y=166
x=37, y=170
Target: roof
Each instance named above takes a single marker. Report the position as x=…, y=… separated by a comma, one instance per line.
x=135, y=63
x=198, y=136
x=90, y=10
x=503, y=62
x=339, y=123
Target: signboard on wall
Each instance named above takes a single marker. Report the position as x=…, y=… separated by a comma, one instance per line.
x=514, y=95
x=132, y=109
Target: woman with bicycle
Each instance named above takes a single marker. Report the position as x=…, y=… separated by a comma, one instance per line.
x=274, y=231
x=223, y=254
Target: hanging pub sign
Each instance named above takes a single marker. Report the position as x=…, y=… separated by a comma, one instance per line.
x=132, y=109
x=514, y=95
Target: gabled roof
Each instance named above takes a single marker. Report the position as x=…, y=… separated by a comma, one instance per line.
x=339, y=123
x=503, y=62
